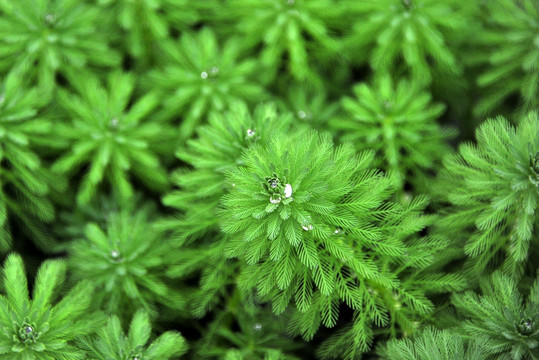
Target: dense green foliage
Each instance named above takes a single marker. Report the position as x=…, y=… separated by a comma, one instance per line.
x=511, y=32
x=433, y=345
x=271, y=179
x=493, y=189
x=500, y=316
x=399, y=123
x=43, y=327
x=53, y=36
x=112, y=343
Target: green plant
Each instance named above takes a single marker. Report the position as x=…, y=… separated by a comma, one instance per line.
x=147, y=23
x=113, y=344
x=126, y=262
x=25, y=181
x=509, y=325
x=432, y=344
x=510, y=35
x=43, y=327
x=310, y=218
x=310, y=106
x=54, y=36
x=219, y=147
x=290, y=32
x=112, y=138
x=413, y=37
x=398, y=121
x=201, y=76
x=493, y=188
x=273, y=179
x=256, y=339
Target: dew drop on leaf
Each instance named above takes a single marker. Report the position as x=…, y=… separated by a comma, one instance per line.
x=49, y=18
x=275, y=199
x=287, y=191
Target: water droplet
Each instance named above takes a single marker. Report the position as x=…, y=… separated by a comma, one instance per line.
x=114, y=122
x=275, y=199
x=274, y=184
x=28, y=329
x=233, y=185
x=287, y=191
x=257, y=326
x=50, y=18
x=115, y=254
x=337, y=231
x=214, y=70
x=302, y=114
x=204, y=75
x=307, y=227
x=250, y=133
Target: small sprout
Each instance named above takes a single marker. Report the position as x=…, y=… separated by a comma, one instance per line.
x=204, y=75
x=302, y=114
x=115, y=254
x=28, y=333
x=526, y=326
